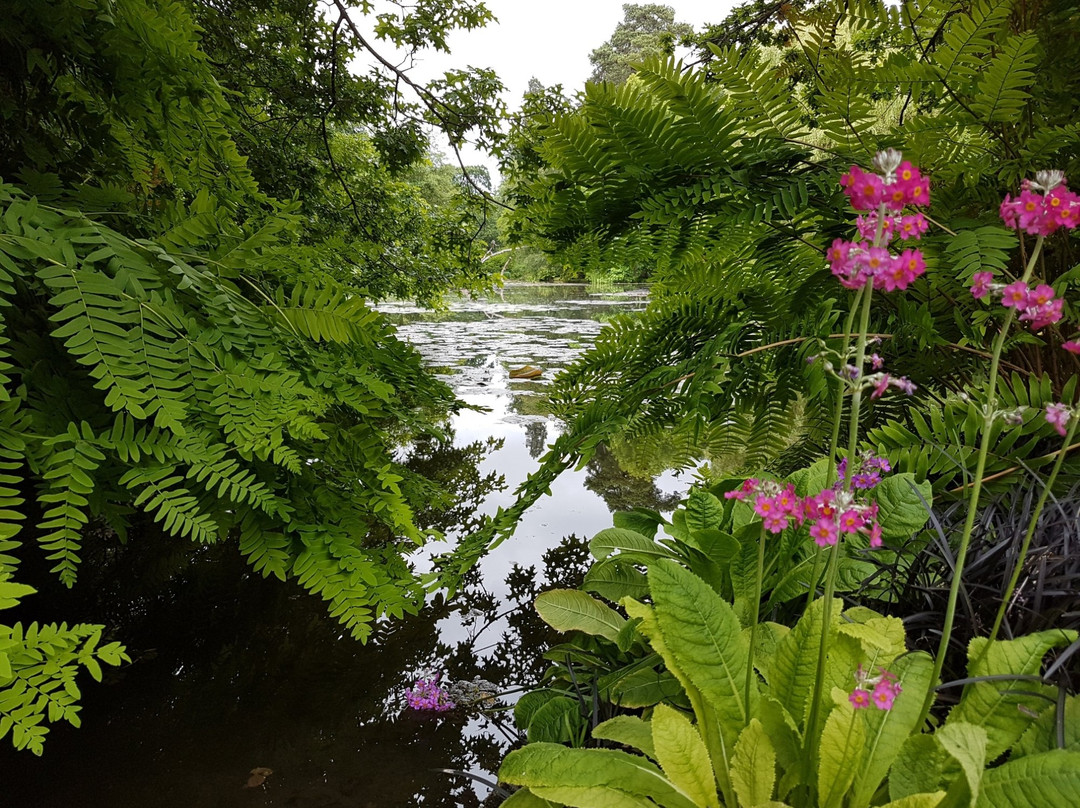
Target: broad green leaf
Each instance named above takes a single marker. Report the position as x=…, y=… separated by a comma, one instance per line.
x=1049, y=780
x=639, y=520
x=644, y=688
x=610, y=539
x=783, y=736
x=543, y=766
x=967, y=745
x=592, y=797
x=615, y=580
x=923, y=766
x=717, y=545
x=901, y=513
x=930, y=800
x=793, y=667
x=882, y=638
x=523, y=798
x=703, y=511
x=702, y=633
x=629, y=730
x=574, y=610
x=810, y=481
x=558, y=721
x=528, y=704
x=1042, y=735
x=681, y=754
x=842, y=745
x=753, y=766
x=989, y=705
x=886, y=730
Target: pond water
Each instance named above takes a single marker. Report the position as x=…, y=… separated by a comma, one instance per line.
x=231, y=672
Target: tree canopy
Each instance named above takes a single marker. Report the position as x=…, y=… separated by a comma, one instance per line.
x=646, y=30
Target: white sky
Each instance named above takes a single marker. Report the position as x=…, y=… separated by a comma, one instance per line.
x=549, y=39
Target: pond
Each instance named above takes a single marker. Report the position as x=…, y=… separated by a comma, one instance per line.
x=232, y=673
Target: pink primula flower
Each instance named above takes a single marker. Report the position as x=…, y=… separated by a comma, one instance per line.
x=1058, y=415
x=980, y=287
x=1015, y=295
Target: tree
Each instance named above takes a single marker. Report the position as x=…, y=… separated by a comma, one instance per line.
x=646, y=30
x=197, y=204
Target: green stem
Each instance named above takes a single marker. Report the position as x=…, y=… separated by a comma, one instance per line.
x=834, y=554
x=1026, y=544
x=834, y=440
x=976, y=490
x=756, y=612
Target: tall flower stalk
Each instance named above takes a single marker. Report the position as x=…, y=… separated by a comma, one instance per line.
x=862, y=265
x=1044, y=206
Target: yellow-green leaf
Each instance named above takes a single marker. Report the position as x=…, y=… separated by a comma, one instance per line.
x=574, y=610
x=753, y=767
x=681, y=754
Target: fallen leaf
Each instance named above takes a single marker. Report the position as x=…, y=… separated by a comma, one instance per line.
x=258, y=776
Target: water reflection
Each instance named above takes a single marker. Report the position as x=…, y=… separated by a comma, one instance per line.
x=234, y=672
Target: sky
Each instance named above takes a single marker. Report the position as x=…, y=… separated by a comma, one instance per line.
x=548, y=39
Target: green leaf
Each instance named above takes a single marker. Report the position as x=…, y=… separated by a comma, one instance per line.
x=967, y=745
x=574, y=610
x=523, y=798
x=644, y=688
x=639, y=520
x=558, y=721
x=923, y=766
x=592, y=797
x=703, y=511
x=629, y=730
x=886, y=730
x=1051, y=779
x=901, y=512
x=615, y=580
x=988, y=704
x=842, y=749
x=613, y=539
x=925, y=800
x=753, y=766
x=702, y=633
x=543, y=766
x=528, y=704
x=793, y=667
x=1042, y=735
x=682, y=755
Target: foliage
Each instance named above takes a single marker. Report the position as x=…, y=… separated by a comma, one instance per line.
x=722, y=177
x=680, y=653
x=197, y=202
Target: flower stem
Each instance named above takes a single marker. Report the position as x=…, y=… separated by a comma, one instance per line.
x=976, y=489
x=756, y=612
x=1026, y=544
x=834, y=554
x=834, y=439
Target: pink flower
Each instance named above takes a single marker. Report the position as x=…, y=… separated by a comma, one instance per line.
x=881, y=386
x=863, y=189
x=903, y=269
x=875, y=534
x=748, y=487
x=1072, y=346
x=764, y=506
x=850, y=521
x=1044, y=315
x=1015, y=295
x=775, y=523
x=823, y=532
x=859, y=698
x=912, y=226
x=876, y=362
x=980, y=287
x=885, y=693
x=1058, y=415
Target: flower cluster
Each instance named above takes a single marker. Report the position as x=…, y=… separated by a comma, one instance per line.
x=1041, y=214
x=1036, y=306
x=426, y=694
x=898, y=185
x=880, y=690
x=777, y=505
x=833, y=513
x=866, y=471
x=878, y=382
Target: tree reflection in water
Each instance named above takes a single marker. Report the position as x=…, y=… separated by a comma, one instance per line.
x=233, y=672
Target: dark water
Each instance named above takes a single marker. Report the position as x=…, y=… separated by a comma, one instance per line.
x=232, y=672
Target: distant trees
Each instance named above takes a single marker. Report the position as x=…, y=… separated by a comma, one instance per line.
x=646, y=30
